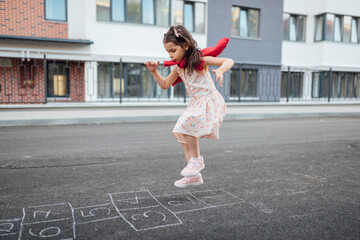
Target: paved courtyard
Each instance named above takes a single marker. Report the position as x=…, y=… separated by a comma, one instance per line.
x=264, y=179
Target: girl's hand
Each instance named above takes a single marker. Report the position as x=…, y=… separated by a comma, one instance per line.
x=219, y=75
x=151, y=65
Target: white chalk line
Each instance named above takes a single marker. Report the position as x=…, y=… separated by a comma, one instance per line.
x=100, y=205
x=10, y=220
x=7, y=234
x=97, y=220
x=74, y=224
x=193, y=210
x=138, y=208
x=48, y=221
x=49, y=205
x=160, y=226
x=21, y=224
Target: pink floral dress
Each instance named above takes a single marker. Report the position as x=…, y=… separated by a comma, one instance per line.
x=205, y=111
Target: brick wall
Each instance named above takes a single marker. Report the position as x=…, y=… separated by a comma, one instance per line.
x=24, y=82
x=27, y=18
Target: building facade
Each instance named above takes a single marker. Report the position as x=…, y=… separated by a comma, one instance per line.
x=321, y=48
x=94, y=50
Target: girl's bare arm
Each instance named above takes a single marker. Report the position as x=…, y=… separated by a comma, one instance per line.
x=224, y=65
x=164, y=83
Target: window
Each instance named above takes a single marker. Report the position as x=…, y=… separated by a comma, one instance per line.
x=189, y=14
x=292, y=87
x=55, y=10
x=136, y=81
x=162, y=12
x=244, y=83
x=341, y=85
x=337, y=28
x=245, y=22
x=117, y=10
x=294, y=27
x=154, y=12
x=58, y=80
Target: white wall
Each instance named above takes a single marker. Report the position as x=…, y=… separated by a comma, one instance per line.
x=112, y=40
x=340, y=55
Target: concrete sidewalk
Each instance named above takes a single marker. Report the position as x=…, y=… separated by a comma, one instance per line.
x=25, y=115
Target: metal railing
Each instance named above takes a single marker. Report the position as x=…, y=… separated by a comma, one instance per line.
x=23, y=81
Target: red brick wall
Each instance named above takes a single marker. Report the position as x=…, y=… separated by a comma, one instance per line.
x=17, y=89
x=27, y=18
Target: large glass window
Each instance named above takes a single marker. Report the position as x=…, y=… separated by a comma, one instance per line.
x=58, y=80
x=347, y=29
x=189, y=14
x=103, y=10
x=243, y=83
x=118, y=10
x=354, y=30
x=245, y=22
x=55, y=10
x=319, y=28
x=136, y=81
x=329, y=27
x=134, y=11
x=199, y=17
x=294, y=27
x=189, y=17
x=337, y=28
x=342, y=85
x=162, y=12
x=178, y=12
x=292, y=84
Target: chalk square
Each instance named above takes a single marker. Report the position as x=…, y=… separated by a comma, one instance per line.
x=133, y=200
x=150, y=218
x=9, y=229
x=47, y=213
x=181, y=202
x=216, y=198
x=49, y=230
x=95, y=213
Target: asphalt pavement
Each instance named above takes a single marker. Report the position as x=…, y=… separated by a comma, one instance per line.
x=264, y=179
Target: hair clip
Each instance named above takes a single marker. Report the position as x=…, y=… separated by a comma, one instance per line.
x=176, y=33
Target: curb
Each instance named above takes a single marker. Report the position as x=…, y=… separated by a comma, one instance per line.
x=138, y=119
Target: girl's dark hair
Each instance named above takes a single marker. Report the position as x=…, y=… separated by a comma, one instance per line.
x=179, y=35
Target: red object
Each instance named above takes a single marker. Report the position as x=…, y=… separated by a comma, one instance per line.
x=210, y=51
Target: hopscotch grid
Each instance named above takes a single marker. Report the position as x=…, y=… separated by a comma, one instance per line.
x=74, y=223
x=200, y=199
x=183, y=194
x=122, y=216
x=97, y=220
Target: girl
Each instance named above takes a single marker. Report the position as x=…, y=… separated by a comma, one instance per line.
x=206, y=109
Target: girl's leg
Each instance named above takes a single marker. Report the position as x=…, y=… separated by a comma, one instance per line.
x=186, y=151
x=193, y=145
